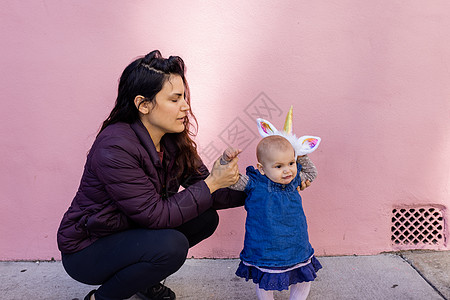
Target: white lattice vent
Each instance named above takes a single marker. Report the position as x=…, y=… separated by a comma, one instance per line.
x=417, y=227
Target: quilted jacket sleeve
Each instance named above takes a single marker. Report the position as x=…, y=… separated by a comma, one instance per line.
x=118, y=166
x=222, y=198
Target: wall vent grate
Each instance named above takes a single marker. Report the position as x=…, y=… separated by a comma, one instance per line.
x=417, y=227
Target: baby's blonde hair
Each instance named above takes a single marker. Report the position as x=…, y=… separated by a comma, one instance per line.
x=270, y=143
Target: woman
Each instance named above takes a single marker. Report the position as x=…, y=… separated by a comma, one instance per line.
x=129, y=226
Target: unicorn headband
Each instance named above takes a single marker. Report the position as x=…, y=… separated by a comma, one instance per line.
x=303, y=145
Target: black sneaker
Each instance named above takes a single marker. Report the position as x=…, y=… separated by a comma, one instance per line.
x=157, y=292
x=88, y=296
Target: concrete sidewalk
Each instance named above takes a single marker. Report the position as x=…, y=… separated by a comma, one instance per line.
x=406, y=275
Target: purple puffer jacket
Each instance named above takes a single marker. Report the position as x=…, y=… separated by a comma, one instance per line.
x=125, y=185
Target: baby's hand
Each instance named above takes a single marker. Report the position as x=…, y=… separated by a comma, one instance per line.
x=304, y=185
x=229, y=154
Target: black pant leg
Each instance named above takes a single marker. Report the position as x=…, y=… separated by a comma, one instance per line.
x=200, y=228
x=127, y=262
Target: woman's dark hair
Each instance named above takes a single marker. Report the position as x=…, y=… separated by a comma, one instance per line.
x=146, y=76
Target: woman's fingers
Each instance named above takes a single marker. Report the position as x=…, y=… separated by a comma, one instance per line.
x=226, y=175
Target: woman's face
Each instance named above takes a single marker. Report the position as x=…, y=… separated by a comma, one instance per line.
x=169, y=111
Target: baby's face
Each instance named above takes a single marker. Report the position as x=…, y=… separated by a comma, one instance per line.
x=279, y=166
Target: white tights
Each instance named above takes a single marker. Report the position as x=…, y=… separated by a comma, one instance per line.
x=298, y=291
x=263, y=294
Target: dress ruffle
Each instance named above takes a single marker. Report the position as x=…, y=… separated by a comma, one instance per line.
x=279, y=281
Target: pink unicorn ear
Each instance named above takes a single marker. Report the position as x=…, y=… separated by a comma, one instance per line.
x=265, y=128
x=307, y=144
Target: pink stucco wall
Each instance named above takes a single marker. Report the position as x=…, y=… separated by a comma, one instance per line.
x=372, y=78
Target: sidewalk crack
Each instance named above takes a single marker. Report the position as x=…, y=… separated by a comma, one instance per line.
x=423, y=276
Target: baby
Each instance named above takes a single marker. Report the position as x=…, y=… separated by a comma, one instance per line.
x=277, y=254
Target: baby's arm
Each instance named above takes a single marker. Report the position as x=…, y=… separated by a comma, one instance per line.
x=228, y=155
x=309, y=171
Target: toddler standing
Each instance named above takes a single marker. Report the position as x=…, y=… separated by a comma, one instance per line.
x=277, y=254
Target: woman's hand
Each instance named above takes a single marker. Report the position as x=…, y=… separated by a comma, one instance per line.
x=223, y=175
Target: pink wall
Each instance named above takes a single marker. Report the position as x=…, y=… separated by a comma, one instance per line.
x=372, y=78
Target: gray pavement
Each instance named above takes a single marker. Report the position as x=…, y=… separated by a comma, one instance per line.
x=402, y=275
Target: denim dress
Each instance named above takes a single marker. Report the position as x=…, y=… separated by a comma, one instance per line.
x=276, y=234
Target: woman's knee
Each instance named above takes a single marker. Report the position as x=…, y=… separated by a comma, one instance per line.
x=172, y=246
x=211, y=218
